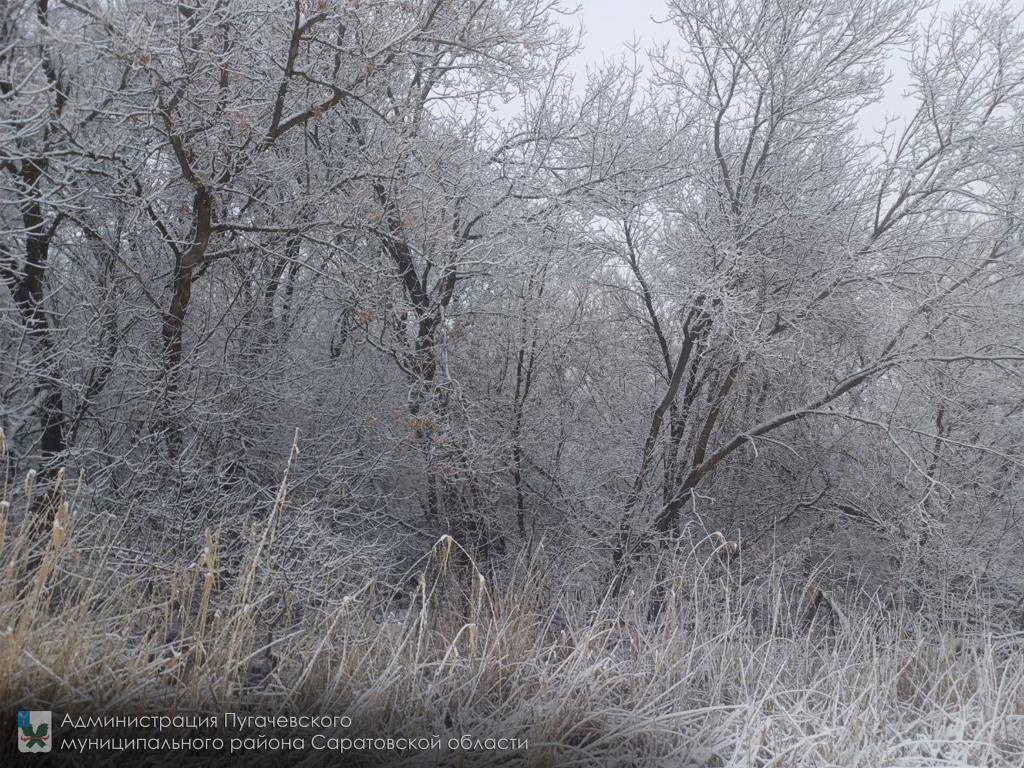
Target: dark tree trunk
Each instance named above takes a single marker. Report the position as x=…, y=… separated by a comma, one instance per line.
x=174, y=317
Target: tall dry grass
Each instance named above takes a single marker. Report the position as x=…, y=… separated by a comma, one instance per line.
x=733, y=672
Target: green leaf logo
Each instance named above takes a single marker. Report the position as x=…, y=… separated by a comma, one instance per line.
x=38, y=737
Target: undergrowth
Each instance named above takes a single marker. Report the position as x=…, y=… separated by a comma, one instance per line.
x=734, y=670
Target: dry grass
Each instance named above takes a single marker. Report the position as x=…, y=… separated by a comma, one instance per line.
x=730, y=674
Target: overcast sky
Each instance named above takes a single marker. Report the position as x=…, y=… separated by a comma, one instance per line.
x=611, y=24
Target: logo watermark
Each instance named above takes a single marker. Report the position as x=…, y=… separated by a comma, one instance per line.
x=34, y=730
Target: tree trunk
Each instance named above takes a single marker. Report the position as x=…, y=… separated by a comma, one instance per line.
x=174, y=317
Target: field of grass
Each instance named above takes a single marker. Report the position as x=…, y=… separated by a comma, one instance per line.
x=734, y=671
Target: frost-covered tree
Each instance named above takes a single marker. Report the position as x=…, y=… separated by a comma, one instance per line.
x=499, y=303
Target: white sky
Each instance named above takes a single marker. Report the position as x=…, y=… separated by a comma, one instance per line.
x=611, y=24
